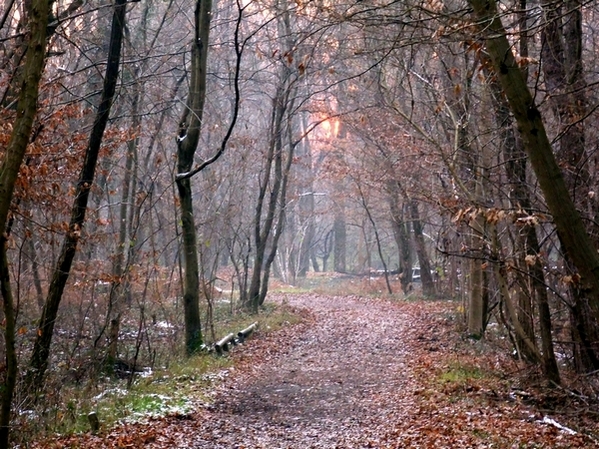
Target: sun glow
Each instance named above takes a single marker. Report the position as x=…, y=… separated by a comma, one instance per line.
x=330, y=126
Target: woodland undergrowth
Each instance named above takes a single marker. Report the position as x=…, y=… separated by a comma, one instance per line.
x=354, y=371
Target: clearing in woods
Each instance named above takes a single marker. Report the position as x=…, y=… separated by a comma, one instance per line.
x=358, y=373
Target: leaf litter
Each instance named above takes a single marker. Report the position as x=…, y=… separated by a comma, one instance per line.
x=355, y=373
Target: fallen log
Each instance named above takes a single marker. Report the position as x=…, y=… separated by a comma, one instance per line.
x=223, y=344
x=242, y=335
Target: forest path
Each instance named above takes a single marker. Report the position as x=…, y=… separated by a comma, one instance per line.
x=367, y=373
x=363, y=373
x=338, y=381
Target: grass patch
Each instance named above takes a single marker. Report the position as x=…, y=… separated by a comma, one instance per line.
x=274, y=317
x=347, y=284
x=460, y=374
x=173, y=390
x=291, y=289
x=176, y=388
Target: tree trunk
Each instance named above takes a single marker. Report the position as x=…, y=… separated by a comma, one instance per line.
x=500, y=271
x=275, y=178
x=570, y=227
x=41, y=349
x=119, y=288
x=35, y=271
x=402, y=240
x=477, y=308
x=187, y=143
x=528, y=244
x=281, y=172
x=306, y=200
x=428, y=284
x=278, y=185
x=262, y=231
x=340, y=240
x=281, y=220
x=378, y=240
x=563, y=70
x=10, y=379
x=327, y=248
x=9, y=170
x=476, y=304
x=27, y=106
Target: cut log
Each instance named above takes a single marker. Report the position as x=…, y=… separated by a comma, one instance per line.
x=242, y=335
x=94, y=422
x=223, y=344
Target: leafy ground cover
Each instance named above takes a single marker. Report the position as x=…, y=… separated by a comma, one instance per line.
x=364, y=372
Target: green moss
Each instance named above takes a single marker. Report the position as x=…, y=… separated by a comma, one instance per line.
x=457, y=373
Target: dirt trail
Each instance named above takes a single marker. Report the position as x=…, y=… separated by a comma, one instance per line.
x=366, y=373
x=337, y=383
x=359, y=373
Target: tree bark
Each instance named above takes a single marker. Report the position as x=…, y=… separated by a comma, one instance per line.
x=274, y=167
x=528, y=244
x=10, y=380
x=477, y=307
x=284, y=174
x=276, y=175
x=401, y=235
x=35, y=271
x=244, y=334
x=562, y=66
x=222, y=345
x=339, y=240
x=306, y=207
x=377, y=238
x=119, y=288
x=266, y=247
x=27, y=106
x=500, y=271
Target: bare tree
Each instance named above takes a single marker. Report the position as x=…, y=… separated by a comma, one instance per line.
x=41, y=350
x=38, y=12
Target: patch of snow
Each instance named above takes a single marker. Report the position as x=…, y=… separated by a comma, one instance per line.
x=212, y=377
x=161, y=405
x=31, y=414
x=164, y=325
x=119, y=392
x=553, y=422
x=147, y=372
